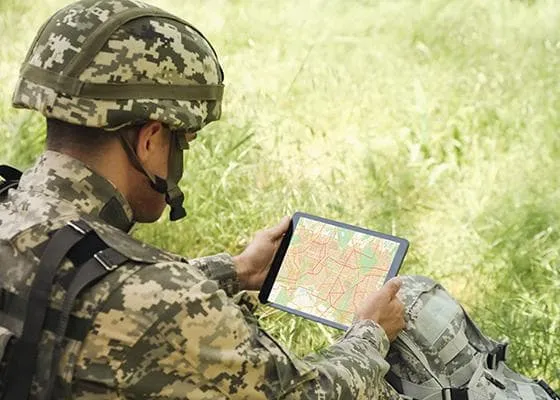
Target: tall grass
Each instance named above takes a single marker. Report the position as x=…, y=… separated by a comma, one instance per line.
x=433, y=120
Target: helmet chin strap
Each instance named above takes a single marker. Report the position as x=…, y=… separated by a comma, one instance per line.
x=173, y=195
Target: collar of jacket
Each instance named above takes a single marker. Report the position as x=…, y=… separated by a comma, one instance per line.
x=67, y=179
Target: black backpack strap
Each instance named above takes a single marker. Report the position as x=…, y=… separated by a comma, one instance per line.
x=102, y=263
x=11, y=178
x=21, y=368
x=14, y=305
x=7, y=340
x=394, y=381
x=553, y=395
x=10, y=173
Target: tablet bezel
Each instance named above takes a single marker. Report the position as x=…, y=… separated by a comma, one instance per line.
x=283, y=248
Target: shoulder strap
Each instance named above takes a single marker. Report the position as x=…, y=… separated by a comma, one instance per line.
x=83, y=246
x=103, y=262
x=11, y=178
x=21, y=368
x=94, y=259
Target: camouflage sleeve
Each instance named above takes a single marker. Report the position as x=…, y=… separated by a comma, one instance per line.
x=170, y=333
x=352, y=368
x=219, y=267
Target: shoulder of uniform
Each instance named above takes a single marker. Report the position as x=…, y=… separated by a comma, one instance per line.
x=128, y=246
x=120, y=241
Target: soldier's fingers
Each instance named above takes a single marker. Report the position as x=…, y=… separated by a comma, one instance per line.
x=277, y=231
x=393, y=286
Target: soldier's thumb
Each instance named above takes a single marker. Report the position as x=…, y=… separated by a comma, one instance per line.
x=277, y=231
x=393, y=286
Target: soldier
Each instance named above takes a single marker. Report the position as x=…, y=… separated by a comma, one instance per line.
x=125, y=87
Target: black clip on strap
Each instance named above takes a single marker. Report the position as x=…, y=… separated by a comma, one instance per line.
x=11, y=178
x=497, y=355
x=455, y=394
x=10, y=173
x=21, y=368
x=103, y=262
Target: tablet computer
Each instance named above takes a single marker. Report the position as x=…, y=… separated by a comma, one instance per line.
x=323, y=269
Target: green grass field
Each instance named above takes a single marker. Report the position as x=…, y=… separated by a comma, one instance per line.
x=434, y=120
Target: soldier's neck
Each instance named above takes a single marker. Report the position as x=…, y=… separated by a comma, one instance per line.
x=111, y=163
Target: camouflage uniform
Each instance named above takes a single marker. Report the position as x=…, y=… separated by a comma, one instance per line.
x=163, y=327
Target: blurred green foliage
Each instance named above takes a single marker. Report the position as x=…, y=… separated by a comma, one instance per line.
x=434, y=120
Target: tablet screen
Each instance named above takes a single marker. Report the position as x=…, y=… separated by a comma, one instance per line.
x=327, y=268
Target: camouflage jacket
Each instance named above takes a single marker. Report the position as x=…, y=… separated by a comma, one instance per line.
x=164, y=327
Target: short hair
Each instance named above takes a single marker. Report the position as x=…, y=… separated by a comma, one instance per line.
x=62, y=135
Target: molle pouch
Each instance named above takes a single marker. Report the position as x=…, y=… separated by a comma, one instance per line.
x=442, y=354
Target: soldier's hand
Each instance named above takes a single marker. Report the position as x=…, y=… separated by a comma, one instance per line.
x=254, y=262
x=384, y=307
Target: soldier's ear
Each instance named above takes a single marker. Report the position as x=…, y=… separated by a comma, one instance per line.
x=152, y=137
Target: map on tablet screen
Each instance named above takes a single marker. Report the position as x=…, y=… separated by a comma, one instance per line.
x=328, y=268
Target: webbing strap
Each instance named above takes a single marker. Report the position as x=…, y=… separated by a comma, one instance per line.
x=10, y=173
x=394, y=381
x=420, y=391
x=11, y=178
x=453, y=347
x=429, y=390
x=462, y=375
x=13, y=305
x=102, y=263
x=553, y=395
x=7, y=340
x=6, y=337
x=21, y=368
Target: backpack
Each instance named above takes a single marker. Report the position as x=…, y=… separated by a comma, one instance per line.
x=19, y=345
x=443, y=355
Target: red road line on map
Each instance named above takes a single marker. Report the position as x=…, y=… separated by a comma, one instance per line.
x=311, y=242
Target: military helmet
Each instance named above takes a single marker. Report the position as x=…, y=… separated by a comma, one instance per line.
x=113, y=63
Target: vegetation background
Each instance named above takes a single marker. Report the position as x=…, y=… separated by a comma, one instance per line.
x=435, y=120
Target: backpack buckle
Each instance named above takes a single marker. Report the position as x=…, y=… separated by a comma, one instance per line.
x=80, y=226
x=455, y=394
x=500, y=353
x=104, y=261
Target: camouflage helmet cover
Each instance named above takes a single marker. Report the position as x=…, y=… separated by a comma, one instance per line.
x=113, y=63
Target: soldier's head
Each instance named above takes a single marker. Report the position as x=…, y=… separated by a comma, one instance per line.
x=116, y=76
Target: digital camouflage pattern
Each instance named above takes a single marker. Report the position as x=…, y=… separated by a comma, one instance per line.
x=442, y=348
x=147, y=65
x=162, y=327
